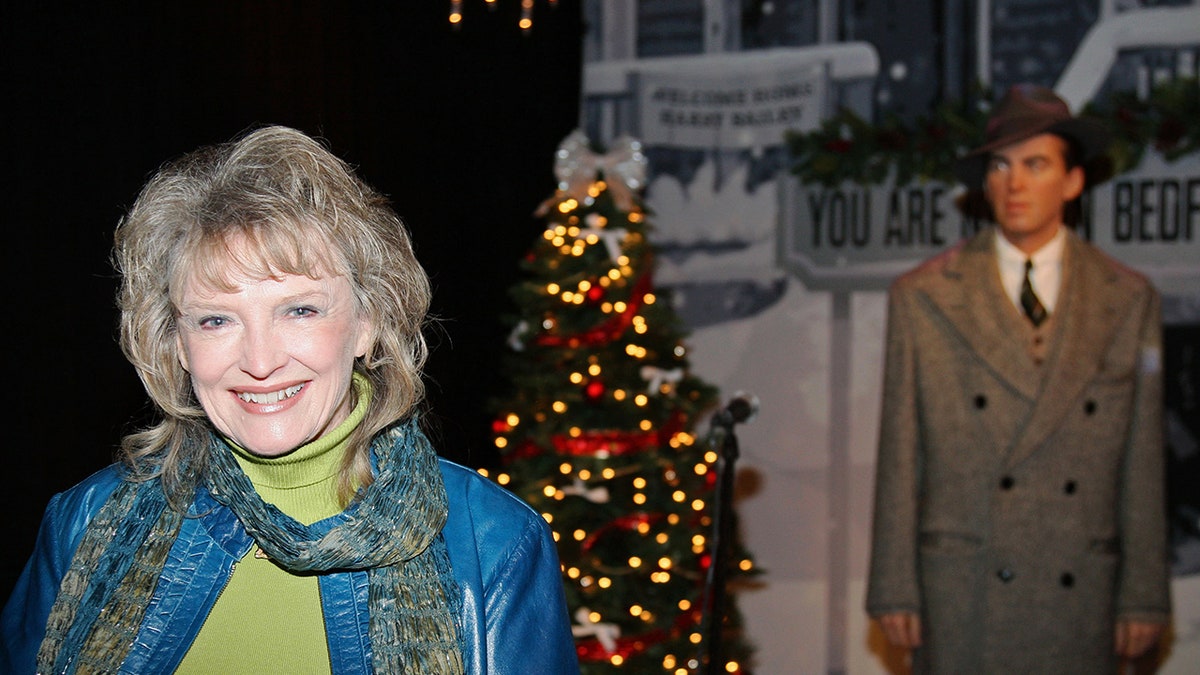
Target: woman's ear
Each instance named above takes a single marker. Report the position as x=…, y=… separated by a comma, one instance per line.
x=366, y=338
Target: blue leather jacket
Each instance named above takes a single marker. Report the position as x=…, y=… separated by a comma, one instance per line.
x=514, y=612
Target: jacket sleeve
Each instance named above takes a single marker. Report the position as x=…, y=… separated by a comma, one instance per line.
x=23, y=621
x=892, y=580
x=528, y=629
x=1143, y=586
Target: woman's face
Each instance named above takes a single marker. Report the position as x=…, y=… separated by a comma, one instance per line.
x=271, y=360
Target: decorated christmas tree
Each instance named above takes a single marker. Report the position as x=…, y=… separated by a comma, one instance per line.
x=599, y=431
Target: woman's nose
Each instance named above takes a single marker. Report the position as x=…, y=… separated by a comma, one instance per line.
x=262, y=352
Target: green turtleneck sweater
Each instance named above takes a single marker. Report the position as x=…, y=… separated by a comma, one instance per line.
x=268, y=620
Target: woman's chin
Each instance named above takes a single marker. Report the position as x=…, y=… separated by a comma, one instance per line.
x=268, y=445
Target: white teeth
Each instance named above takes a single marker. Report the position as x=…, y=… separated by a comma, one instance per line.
x=270, y=397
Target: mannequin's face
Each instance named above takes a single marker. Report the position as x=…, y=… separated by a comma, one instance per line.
x=1028, y=184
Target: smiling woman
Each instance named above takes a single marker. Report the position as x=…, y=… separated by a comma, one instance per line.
x=223, y=219
x=273, y=308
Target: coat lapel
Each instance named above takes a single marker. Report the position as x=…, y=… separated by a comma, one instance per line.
x=1088, y=313
x=974, y=303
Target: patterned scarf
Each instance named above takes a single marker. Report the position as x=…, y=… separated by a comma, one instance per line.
x=393, y=531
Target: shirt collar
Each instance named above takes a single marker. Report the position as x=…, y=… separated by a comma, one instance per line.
x=1050, y=253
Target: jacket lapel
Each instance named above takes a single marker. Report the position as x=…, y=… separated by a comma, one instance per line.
x=973, y=301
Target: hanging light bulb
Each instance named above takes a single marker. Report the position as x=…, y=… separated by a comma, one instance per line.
x=526, y=22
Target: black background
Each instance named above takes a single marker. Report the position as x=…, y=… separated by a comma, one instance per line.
x=458, y=127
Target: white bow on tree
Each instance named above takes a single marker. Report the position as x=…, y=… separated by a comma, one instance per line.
x=577, y=167
x=605, y=633
x=657, y=377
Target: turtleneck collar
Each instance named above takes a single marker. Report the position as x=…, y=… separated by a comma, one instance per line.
x=314, y=462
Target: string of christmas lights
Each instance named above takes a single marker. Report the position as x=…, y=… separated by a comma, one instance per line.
x=525, y=22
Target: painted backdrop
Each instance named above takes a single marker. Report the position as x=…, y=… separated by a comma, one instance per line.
x=783, y=283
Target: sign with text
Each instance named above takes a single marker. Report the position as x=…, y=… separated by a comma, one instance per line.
x=1149, y=219
x=729, y=108
x=856, y=237
x=860, y=237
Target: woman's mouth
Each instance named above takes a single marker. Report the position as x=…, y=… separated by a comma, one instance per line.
x=270, y=397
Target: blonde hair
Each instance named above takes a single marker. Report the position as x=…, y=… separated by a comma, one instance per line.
x=296, y=209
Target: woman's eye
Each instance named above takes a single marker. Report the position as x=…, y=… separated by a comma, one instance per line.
x=212, y=322
x=304, y=311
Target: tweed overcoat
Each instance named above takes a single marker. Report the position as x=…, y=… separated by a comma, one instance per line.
x=1020, y=507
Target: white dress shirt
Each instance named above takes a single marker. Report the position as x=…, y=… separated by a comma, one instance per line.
x=1046, y=275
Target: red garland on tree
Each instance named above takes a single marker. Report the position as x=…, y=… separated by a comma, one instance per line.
x=598, y=432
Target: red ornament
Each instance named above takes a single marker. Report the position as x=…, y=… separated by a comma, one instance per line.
x=500, y=426
x=594, y=390
x=840, y=146
x=595, y=294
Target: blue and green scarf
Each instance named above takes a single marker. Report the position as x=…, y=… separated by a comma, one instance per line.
x=393, y=532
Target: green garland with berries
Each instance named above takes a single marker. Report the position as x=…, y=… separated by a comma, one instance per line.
x=849, y=149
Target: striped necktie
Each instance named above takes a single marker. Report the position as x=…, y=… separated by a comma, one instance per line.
x=1033, y=307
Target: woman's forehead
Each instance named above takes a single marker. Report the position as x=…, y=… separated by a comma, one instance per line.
x=225, y=262
x=257, y=288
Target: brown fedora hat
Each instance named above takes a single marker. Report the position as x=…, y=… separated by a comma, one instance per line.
x=1028, y=110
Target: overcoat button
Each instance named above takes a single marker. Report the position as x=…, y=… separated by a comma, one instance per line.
x=1006, y=575
x=1067, y=580
x=1007, y=482
x=980, y=401
x=1069, y=487
x=1089, y=407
